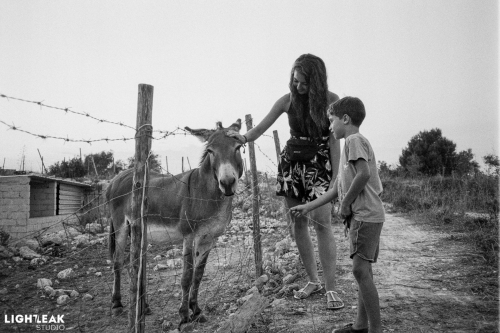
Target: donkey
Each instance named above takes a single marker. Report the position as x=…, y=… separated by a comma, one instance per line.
x=192, y=208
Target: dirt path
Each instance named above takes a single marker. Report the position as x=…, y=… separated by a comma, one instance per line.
x=427, y=282
x=423, y=277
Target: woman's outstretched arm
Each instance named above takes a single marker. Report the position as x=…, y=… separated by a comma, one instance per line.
x=278, y=108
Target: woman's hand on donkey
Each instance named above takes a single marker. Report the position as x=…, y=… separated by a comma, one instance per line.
x=236, y=135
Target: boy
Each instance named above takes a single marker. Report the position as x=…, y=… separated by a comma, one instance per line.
x=358, y=188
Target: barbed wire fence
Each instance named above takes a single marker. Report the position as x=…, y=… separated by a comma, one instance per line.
x=73, y=249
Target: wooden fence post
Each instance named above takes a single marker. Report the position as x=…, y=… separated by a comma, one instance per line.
x=255, y=203
x=43, y=165
x=138, y=239
x=247, y=179
x=285, y=208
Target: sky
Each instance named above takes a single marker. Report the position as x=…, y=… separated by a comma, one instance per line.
x=416, y=65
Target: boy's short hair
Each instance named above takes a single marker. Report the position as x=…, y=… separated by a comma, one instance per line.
x=351, y=106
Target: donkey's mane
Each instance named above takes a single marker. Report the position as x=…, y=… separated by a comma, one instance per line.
x=204, y=155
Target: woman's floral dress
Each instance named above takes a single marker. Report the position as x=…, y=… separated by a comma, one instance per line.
x=305, y=181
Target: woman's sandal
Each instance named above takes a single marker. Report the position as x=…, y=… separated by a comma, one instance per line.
x=348, y=329
x=301, y=294
x=333, y=301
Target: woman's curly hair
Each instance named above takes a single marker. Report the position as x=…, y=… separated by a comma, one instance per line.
x=316, y=101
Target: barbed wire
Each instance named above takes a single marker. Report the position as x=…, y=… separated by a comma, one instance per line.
x=177, y=131
x=258, y=147
x=88, y=115
x=67, y=109
x=164, y=133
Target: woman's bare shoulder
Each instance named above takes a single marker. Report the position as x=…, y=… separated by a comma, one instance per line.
x=283, y=103
x=285, y=99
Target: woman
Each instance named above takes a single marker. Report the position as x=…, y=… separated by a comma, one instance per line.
x=308, y=166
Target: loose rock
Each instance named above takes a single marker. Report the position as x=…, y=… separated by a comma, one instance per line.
x=94, y=227
x=49, y=291
x=38, y=261
x=279, y=303
x=51, y=239
x=28, y=253
x=66, y=274
x=63, y=299
x=41, y=283
x=5, y=253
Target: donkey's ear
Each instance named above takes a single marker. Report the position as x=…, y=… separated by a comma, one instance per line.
x=202, y=134
x=236, y=126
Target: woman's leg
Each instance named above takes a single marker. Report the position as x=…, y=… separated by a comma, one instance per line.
x=327, y=248
x=305, y=245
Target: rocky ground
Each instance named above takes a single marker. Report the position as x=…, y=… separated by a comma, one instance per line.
x=428, y=281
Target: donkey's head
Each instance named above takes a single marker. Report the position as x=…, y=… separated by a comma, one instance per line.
x=221, y=156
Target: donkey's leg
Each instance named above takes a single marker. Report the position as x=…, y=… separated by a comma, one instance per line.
x=203, y=245
x=119, y=234
x=187, y=278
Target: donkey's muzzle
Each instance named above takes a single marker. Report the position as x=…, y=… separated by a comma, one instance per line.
x=227, y=186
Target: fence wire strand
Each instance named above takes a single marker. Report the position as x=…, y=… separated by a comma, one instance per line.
x=230, y=266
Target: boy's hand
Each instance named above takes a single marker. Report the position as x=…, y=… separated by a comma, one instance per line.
x=300, y=210
x=345, y=210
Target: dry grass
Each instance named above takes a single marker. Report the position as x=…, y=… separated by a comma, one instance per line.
x=465, y=206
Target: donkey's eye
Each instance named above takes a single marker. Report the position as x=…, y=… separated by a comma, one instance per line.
x=210, y=151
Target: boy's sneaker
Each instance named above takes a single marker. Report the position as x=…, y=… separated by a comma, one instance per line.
x=348, y=329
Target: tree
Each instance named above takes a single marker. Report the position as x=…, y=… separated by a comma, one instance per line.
x=74, y=168
x=492, y=163
x=430, y=153
x=103, y=161
x=154, y=162
x=119, y=166
x=465, y=164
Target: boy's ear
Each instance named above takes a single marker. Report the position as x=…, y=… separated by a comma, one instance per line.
x=346, y=119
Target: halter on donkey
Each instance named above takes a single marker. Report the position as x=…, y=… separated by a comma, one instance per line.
x=193, y=208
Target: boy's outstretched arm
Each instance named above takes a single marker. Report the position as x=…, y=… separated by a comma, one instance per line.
x=357, y=185
x=329, y=196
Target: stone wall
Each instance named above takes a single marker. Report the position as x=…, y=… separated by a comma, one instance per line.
x=14, y=204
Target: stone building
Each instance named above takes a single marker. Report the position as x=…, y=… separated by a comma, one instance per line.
x=29, y=203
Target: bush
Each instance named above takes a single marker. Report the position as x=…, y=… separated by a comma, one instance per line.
x=449, y=201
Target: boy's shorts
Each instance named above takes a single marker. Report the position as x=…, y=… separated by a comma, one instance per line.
x=364, y=239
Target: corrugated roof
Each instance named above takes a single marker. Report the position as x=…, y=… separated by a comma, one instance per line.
x=59, y=180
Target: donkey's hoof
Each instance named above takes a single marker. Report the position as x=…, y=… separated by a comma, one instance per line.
x=117, y=311
x=147, y=310
x=199, y=318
